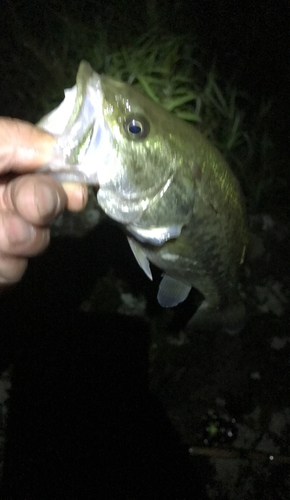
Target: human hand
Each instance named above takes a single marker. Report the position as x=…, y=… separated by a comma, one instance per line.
x=28, y=201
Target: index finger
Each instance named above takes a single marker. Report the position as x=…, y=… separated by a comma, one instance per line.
x=23, y=147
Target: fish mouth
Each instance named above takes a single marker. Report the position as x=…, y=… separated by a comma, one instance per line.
x=82, y=143
x=80, y=131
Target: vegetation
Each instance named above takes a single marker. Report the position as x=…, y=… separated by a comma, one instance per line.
x=166, y=66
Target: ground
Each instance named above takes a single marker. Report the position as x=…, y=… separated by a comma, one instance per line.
x=226, y=396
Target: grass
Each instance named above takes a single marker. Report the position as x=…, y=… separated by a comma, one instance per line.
x=164, y=66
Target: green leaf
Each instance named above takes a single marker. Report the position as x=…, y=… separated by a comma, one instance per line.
x=190, y=117
x=179, y=101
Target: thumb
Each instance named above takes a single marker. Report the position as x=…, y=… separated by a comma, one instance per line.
x=23, y=147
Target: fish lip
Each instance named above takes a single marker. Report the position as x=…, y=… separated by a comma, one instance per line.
x=80, y=135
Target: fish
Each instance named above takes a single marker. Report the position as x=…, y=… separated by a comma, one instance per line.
x=170, y=189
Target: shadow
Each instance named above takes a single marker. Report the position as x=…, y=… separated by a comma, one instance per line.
x=82, y=422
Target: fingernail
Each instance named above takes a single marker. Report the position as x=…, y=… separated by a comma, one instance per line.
x=47, y=201
x=45, y=148
x=80, y=193
x=77, y=195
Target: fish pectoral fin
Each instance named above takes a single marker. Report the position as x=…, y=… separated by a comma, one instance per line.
x=171, y=291
x=140, y=257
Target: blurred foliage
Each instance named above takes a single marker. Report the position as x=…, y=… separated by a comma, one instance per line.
x=40, y=58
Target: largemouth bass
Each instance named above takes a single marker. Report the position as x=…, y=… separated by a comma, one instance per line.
x=165, y=183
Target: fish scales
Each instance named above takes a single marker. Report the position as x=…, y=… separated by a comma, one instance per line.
x=165, y=183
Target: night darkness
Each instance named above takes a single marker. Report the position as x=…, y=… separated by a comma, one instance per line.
x=83, y=423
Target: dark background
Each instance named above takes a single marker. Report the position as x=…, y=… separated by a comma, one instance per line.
x=82, y=421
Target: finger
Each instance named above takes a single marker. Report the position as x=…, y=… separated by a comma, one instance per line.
x=23, y=146
x=20, y=238
x=36, y=198
x=11, y=269
x=77, y=196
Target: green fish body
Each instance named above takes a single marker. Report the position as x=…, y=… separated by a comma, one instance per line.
x=165, y=183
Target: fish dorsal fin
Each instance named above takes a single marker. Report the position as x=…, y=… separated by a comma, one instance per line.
x=171, y=291
x=140, y=257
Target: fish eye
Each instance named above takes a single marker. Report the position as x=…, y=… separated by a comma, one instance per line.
x=136, y=127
